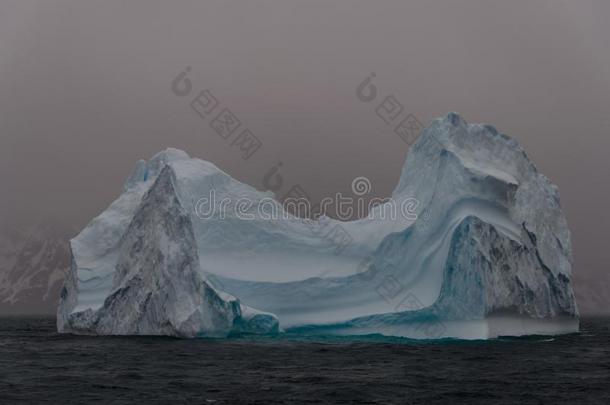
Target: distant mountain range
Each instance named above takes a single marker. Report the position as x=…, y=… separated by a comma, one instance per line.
x=33, y=263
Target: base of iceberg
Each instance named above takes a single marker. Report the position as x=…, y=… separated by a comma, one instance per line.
x=488, y=255
x=491, y=327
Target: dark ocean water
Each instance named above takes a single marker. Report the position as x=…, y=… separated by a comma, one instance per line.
x=39, y=366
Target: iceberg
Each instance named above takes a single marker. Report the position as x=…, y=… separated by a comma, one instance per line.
x=487, y=254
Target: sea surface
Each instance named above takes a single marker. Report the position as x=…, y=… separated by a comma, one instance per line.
x=37, y=365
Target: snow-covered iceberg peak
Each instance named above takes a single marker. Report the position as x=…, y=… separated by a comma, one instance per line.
x=489, y=253
x=472, y=181
x=453, y=160
x=157, y=287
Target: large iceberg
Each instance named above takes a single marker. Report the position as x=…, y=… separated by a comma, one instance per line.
x=486, y=253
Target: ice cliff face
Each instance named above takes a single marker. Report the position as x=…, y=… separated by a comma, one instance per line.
x=472, y=178
x=157, y=288
x=488, y=255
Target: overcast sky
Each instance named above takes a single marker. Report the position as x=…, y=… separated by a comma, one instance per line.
x=85, y=91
